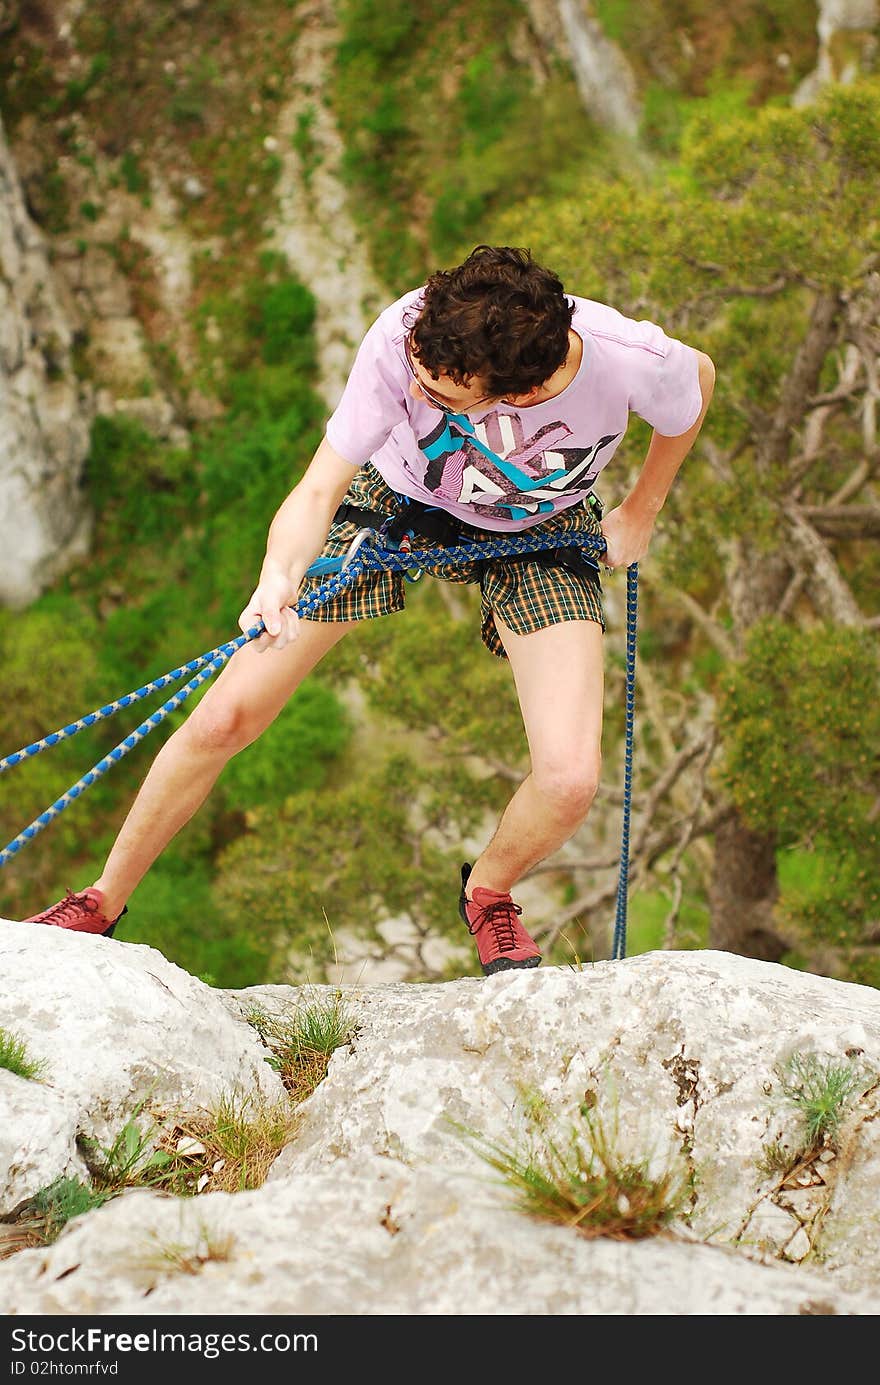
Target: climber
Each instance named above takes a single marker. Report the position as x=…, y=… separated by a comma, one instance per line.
x=492, y=397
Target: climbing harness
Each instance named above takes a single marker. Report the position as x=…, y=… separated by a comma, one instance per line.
x=369, y=551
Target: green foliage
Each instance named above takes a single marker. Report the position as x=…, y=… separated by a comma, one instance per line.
x=134, y=176
x=800, y=720
x=40, y=1220
x=301, y=867
x=800, y=717
x=282, y=322
x=303, y=141
x=775, y=1159
x=126, y=466
x=416, y=673
x=180, y=537
x=130, y=1160
x=436, y=138
x=175, y=909
x=14, y=1057
x=689, y=47
x=648, y=910
x=293, y=754
x=234, y=1142
x=49, y=678
x=78, y=88
x=822, y=1091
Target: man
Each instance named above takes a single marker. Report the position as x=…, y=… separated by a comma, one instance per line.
x=490, y=397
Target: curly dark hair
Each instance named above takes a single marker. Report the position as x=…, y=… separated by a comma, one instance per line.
x=499, y=316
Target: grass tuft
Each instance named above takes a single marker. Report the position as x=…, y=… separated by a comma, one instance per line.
x=227, y=1147
x=15, y=1057
x=176, y=1257
x=586, y=1183
x=302, y=1042
x=776, y=1158
x=40, y=1220
x=131, y=1160
x=823, y=1091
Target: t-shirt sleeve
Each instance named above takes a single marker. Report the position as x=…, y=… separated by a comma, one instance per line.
x=665, y=385
x=373, y=401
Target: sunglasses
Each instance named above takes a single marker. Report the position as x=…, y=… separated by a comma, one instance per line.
x=432, y=398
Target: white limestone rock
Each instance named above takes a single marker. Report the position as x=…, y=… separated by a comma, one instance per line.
x=116, y=1024
x=45, y=411
x=377, y=1237
x=848, y=45
x=381, y=1203
x=37, y=1138
x=850, y=1242
x=662, y=1034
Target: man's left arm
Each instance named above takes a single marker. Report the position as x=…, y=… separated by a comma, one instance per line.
x=629, y=527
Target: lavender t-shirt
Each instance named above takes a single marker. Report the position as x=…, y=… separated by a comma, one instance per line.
x=506, y=467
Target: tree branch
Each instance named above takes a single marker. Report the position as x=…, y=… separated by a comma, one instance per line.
x=673, y=772
x=792, y=592
x=844, y=521
x=829, y=591
x=638, y=867
x=712, y=629
x=799, y=385
x=856, y=479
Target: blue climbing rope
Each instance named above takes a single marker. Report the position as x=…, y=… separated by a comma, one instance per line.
x=340, y=574
x=618, y=949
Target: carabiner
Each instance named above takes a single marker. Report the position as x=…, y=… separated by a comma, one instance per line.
x=360, y=538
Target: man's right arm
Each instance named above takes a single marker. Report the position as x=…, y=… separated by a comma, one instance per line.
x=296, y=537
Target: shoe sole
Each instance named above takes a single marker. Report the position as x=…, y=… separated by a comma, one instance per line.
x=502, y=964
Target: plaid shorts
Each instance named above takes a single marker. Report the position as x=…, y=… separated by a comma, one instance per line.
x=527, y=595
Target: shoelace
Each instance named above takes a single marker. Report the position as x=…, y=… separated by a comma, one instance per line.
x=501, y=918
x=68, y=907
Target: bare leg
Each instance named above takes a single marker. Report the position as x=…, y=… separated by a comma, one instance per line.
x=246, y=697
x=559, y=681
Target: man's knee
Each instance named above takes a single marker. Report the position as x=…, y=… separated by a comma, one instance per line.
x=220, y=726
x=570, y=785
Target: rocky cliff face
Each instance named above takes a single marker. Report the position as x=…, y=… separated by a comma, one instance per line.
x=380, y=1205
x=848, y=45
x=45, y=411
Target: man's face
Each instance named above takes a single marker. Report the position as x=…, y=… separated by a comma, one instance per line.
x=443, y=392
x=446, y=395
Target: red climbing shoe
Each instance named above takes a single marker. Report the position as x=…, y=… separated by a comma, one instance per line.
x=493, y=919
x=79, y=913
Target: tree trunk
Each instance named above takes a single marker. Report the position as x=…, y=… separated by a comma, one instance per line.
x=743, y=893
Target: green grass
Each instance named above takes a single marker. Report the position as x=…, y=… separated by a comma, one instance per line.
x=15, y=1057
x=823, y=1091
x=302, y=1042
x=42, y=1219
x=131, y=1160
x=228, y=1148
x=585, y=1182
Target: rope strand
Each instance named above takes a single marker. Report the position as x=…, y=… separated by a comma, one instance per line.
x=369, y=557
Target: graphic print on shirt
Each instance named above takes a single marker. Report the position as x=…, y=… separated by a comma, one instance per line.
x=496, y=469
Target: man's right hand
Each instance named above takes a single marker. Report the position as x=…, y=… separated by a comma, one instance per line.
x=271, y=603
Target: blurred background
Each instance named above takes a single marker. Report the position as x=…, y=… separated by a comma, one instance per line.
x=203, y=204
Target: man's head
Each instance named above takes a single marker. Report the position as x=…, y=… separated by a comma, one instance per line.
x=495, y=327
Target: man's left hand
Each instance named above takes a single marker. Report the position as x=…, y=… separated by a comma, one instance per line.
x=627, y=534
